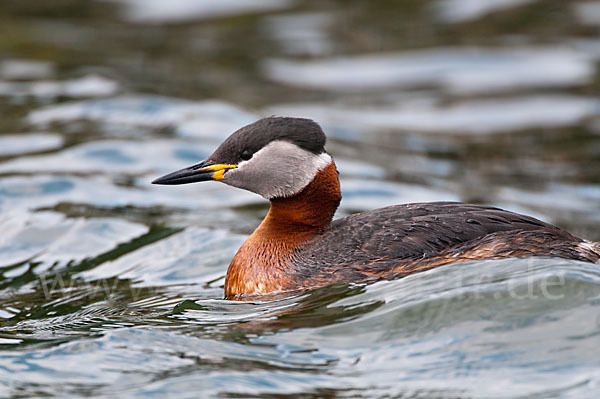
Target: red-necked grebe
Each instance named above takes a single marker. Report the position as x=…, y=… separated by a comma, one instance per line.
x=298, y=246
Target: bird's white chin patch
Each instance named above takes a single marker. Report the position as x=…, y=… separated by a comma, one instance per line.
x=280, y=169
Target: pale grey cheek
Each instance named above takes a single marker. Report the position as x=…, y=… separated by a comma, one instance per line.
x=246, y=180
x=280, y=169
x=270, y=181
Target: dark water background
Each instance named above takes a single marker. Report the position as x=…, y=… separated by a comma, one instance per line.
x=111, y=287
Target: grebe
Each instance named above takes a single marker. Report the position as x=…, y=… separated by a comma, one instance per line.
x=298, y=246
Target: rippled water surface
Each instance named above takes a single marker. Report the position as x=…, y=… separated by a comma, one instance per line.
x=112, y=287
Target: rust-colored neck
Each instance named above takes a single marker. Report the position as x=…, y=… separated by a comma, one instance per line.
x=309, y=211
x=262, y=264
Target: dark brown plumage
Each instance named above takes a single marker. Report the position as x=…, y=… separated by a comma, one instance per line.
x=286, y=254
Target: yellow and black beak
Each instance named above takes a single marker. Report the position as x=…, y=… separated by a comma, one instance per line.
x=203, y=171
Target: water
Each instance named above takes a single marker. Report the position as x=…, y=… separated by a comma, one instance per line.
x=112, y=287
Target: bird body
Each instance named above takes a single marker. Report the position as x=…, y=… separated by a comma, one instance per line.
x=298, y=246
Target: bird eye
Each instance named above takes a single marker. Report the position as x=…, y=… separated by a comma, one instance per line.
x=246, y=155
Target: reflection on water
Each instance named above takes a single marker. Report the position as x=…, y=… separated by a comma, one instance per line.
x=156, y=11
x=481, y=116
x=112, y=287
x=15, y=144
x=460, y=70
x=465, y=10
x=87, y=86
